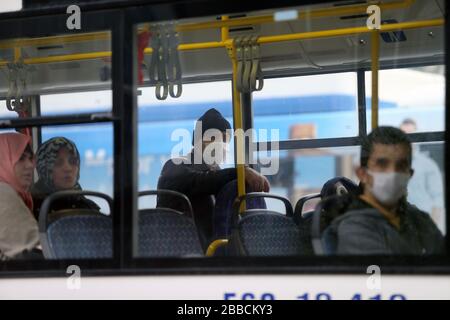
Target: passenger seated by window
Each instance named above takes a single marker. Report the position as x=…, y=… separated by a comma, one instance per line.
x=19, y=233
x=201, y=179
x=378, y=220
x=58, y=167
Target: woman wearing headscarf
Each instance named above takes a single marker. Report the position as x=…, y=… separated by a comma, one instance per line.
x=58, y=167
x=18, y=228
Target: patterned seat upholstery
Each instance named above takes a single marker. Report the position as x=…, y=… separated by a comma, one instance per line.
x=167, y=233
x=80, y=237
x=268, y=233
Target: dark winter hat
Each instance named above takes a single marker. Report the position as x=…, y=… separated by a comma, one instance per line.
x=211, y=119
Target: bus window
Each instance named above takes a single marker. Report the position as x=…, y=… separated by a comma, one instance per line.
x=422, y=111
x=304, y=172
x=312, y=106
x=52, y=76
x=82, y=102
x=76, y=159
x=165, y=128
x=4, y=112
x=426, y=188
x=290, y=103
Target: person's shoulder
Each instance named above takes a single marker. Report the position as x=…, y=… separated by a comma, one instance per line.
x=173, y=165
x=7, y=191
x=414, y=213
x=357, y=212
x=10, y=201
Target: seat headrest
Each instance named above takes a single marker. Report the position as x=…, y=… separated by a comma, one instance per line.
x=338, y=186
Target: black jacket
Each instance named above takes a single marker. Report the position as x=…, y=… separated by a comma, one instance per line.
x=39, y=192
x=200, y=183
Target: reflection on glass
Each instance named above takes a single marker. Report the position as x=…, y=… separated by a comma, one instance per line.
x=304, y=172
x=414, y=95
x=74, y=159
x=56, y=75
x=310, y=92
x=306, y=107
x=426, y=188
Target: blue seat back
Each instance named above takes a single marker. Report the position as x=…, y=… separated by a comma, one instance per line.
x=223, y=211
x=167, y=233
x=267, y=234
x=79, y=237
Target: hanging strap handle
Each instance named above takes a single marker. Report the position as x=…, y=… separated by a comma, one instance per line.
x=174, y=66
x=246, y=88
x=162, y=86
x=256, y=78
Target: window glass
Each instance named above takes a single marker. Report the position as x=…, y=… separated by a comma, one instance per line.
x=310, y=92
x=75, y=159
x=426, y=188
x=307, y=107
x=412, y=98
x=302, y=173
x=60, y=69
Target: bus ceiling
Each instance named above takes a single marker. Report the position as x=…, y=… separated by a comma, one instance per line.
x=325, y=38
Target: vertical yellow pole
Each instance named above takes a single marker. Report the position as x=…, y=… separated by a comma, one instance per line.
x=237, y=116
x=225, y=30
x=17, y=54
x=240, y=166
x=375, y=43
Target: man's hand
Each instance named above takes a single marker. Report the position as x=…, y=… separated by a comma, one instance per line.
x=256, y=181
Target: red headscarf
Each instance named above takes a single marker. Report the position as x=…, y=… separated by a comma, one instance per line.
x=12, y=146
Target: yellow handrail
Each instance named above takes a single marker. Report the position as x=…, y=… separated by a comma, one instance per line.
x=225, y=31
x=212, y=248
x=17, y=54
x=105, y=35
x=69, y=57
x=262, y=40
x=238, y=126
x=349, y=31
x=62, y=39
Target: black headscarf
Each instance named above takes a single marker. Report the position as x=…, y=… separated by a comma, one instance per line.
x=46, y=158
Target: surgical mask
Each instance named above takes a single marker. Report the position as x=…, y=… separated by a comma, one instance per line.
x=389, y=187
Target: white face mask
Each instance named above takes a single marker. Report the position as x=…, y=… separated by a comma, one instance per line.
x=389, y=187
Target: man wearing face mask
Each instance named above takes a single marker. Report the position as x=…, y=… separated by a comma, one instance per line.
x=199, y=176
x=379, y=220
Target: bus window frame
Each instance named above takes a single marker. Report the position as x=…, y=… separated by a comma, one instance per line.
x=122, y=22
x=55, y=24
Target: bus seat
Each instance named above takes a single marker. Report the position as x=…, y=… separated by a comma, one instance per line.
x=326, y=211
x=332, y=188
x=164, y=232
x=262, y=232
x=75, y=233
x=223, y=210
x=338, y=186
x=299, y=206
